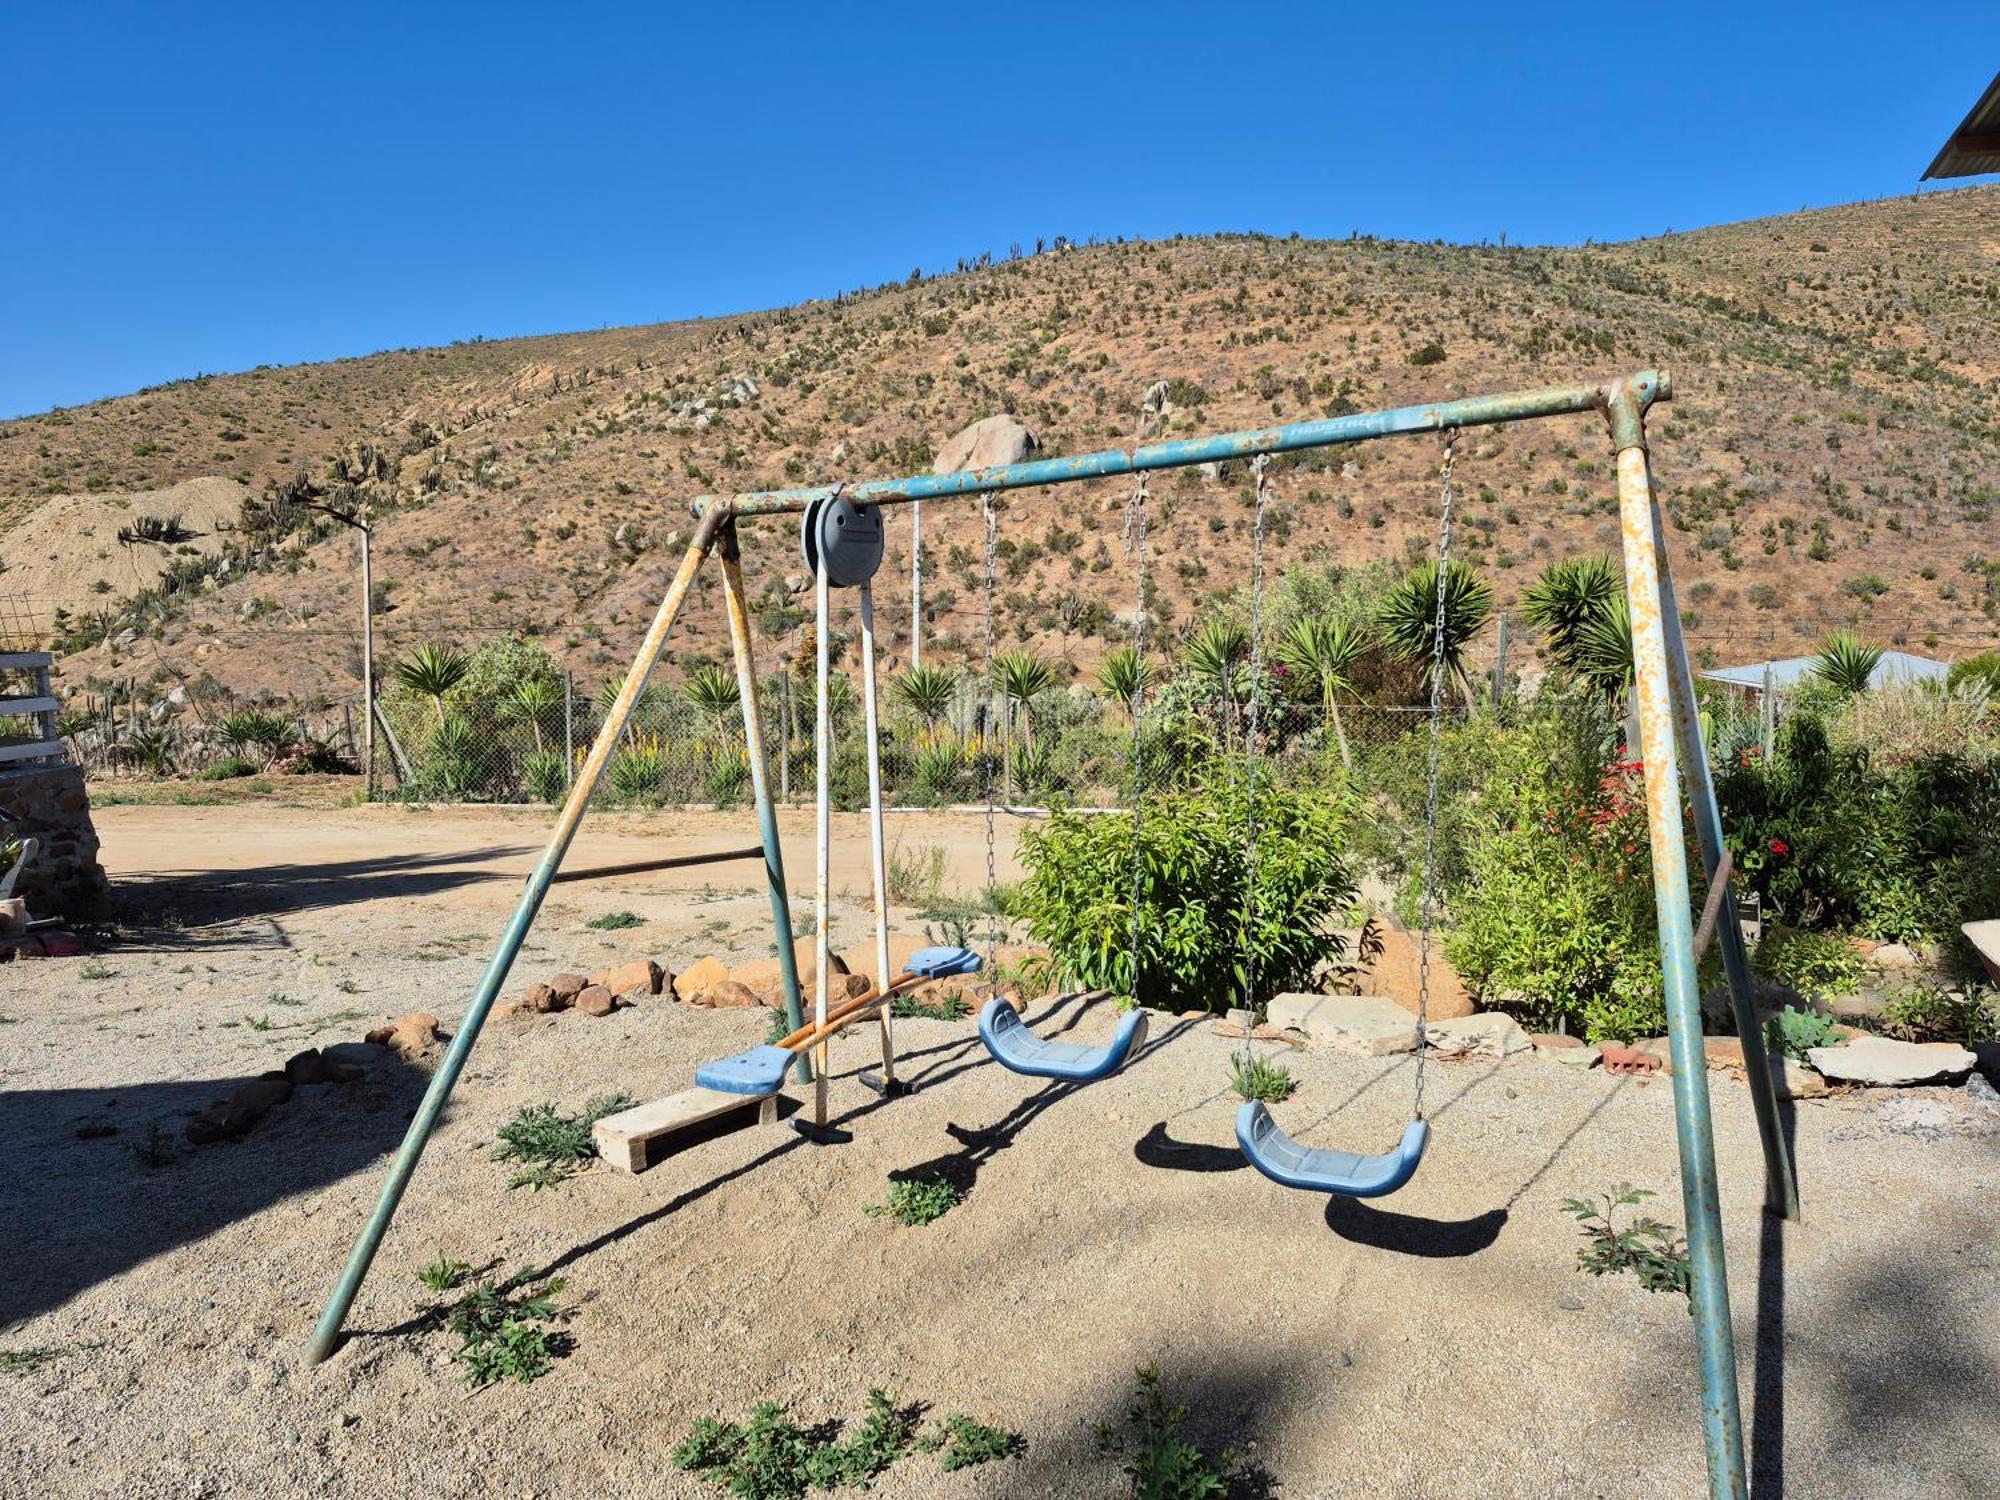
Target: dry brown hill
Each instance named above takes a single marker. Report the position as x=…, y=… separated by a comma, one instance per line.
x=1829, y=457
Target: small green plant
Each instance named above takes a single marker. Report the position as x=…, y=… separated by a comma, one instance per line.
x=951, y=1006
x=916, y=1201
x=1924, y=1012
x=616, y=921
x=1162, y=1464
x=505, y=1330
x=962, y=1443
x=444, y=1273
x=554, y=1146
x=27, y=1361
x=1255, y=1078
x=92, y=969
x=1793, y=1030
x=1650, y=1250
x=156, y=1150
x=280, y=998
x=917, y=878
x=258, y=1022
x=1821, y=966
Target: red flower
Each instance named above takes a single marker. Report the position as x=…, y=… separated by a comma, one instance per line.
x=1779, y=846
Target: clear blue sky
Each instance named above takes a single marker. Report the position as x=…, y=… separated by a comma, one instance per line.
x=207, y=187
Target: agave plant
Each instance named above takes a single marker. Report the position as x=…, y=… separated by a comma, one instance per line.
x=1124, y=675
x=939, y=765
x=636, y=773
x=1409, y=618
x=433, y=671
x=1323, y=652
x=546, y=775
x=1846, y=662
x=927, y=692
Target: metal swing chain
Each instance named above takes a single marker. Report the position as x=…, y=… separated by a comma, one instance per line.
x=1136, y=526
x=992, y=806
x=1253, y=748
x=1428, y=902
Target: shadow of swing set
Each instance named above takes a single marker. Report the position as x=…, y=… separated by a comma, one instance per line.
x=841, y=533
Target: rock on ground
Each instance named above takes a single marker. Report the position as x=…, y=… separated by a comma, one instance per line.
x=1367, y=1024
x=1883, y=1062
x=704, y=972
x=1491, y=1033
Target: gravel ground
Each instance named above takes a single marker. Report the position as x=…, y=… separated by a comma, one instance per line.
x=1439, y=1343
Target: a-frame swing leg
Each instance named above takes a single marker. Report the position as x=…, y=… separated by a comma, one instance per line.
x=1722, y=1419
x=823, y=829
x=1781, y=1189
x=888, y=1083
x=453, y=1063
x=736, y=604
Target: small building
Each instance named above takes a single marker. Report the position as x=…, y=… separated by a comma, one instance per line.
x=1895, y=666
x=1974, y=148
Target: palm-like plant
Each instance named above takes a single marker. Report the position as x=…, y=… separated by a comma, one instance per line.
x=1323, y=652
x=1124, y=675
x=1021, y=676
x=1846, y=662
x=433, y=671
x=1216, y=655
x=714, y=691
x=645, y=703
x=1579, y=606
x=927, y=692
x=532, y=699
x=1409, y=617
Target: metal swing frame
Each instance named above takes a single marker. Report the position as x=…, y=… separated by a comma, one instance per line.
x=1670, y=743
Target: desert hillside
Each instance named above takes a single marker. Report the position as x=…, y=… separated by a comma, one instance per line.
x=1829, y=458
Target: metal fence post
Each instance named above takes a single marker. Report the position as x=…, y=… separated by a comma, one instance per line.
x=569, y=729
x=1722, y=1420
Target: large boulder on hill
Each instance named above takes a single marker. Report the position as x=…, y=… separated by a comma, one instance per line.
x=987, y=442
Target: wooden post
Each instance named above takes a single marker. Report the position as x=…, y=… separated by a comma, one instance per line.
x=367, y=663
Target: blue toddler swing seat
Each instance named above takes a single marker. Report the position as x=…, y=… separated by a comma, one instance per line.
x=1347, y=1173
x=1019, y=1050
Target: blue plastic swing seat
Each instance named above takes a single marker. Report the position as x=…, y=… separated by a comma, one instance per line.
x=1019, y=1050
x=761, y=1070
x=1345, y=1173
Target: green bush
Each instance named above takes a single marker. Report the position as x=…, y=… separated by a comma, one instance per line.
x=1193, y=950
x=1820, y=966
x=546, y=776
x=1554, y=914
x=228, y=769
x=1923, y=1012
x=452, y=771
x=1792, y=1031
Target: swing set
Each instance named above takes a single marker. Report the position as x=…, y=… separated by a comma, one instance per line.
x=842, y=539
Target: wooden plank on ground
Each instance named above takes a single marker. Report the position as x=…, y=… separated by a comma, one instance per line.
x=625, y=1139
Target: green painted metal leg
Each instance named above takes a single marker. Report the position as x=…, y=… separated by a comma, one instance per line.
x=1781, y=1189
x=1722, y=1418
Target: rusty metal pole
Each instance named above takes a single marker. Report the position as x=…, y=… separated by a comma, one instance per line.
x=1781, y=1189
x=1722, y=1420
x=823, y=828
x=736, y=601
x=442, y=1081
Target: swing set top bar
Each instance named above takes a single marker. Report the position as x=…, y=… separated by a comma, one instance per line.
x=1644, y=389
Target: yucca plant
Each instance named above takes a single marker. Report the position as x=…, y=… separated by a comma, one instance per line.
x=531, y=700
x=1216, y=655
x=712, y=690
x=452, y=772
x=939, y=765
x=927, y=692
x=1579, y=606
x=1846, y=662
x=636, y=773
x=269, y=733
x=1409, y=615
x=647, y=703
x=1124, y=675
x=1322, y=652
x=433, y=671
x=546, y=776
x=1022, y=677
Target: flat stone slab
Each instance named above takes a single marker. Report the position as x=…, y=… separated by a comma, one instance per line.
x=1491, y=1033
x=1368, y=1024
x=1985, y=939
x=1882, y=1062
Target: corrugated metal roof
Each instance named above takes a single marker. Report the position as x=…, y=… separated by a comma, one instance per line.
x=1895, y=666
x=1974, y=148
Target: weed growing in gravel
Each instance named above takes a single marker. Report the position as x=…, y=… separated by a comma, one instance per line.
x=505, y=1330
x=1254, y=1078
x=27, y=1361
x=92, y=969
x=616, y=921
x=444, y=1273
x=1793, y=1030
x=772, y=1457
x=961, y=1443
x=156, y=1150
x=258, y=1022
x=279, y=997
x=555, y=1146
x=1161, y=1464
x=1650, y=1250
x=951, y=1008
x=917, y=1201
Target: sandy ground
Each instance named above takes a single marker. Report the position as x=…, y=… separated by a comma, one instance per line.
x=1439, y=1343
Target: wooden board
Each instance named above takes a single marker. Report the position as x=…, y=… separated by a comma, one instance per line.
x=9, y=707
x=24, y=661
x=44, y=750
x=624, y=1139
